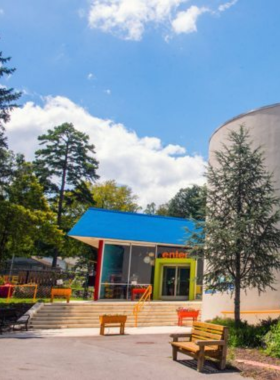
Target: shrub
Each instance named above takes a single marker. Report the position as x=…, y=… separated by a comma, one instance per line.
x=272, y=341
x=245, y=335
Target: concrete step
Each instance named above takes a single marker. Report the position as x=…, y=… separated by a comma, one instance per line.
x=56, y=316
x=92, y=325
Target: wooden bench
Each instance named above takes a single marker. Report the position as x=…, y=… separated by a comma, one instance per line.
x=205, y=341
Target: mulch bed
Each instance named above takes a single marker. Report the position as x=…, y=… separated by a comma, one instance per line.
x=255, y=372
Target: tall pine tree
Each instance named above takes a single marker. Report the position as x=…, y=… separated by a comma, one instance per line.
x=8, y=98
x=242, y=236
x=65, y=162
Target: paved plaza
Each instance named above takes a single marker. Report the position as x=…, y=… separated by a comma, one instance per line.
x=115, y=357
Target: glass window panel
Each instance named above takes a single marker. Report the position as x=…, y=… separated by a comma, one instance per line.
x=113, y=291
x=142, y=265
x=115, y=263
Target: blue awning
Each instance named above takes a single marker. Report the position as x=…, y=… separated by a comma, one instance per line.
x=126, y=226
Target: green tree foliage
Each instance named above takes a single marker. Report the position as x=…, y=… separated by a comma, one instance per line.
x=66, y=161
x=151, y=209
x=163, y=209
x=189, y=203
x=8, y=98
x=242, y=235
x=110, y=196
x=25, y=218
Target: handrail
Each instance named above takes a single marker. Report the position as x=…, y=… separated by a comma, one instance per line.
x=140, y=304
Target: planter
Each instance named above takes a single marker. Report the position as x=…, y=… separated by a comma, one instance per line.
x=6, y=290
x=112, y=319
x=61, y=292
x=190, y=314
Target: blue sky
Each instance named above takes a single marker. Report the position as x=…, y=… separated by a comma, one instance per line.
x=165, y=72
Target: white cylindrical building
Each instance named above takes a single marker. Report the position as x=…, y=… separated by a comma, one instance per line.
x=264, y=129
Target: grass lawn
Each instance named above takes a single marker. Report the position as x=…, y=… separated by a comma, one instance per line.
x=30, y=300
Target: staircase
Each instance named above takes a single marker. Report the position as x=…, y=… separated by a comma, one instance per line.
x=86, y=315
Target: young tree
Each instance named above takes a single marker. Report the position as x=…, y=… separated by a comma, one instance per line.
x=66, y=161
x=242, y=230
x=110, y=196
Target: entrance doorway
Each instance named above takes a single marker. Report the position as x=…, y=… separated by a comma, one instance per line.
x=175, y=282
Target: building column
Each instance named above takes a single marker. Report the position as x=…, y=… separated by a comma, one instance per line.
x=98, y=270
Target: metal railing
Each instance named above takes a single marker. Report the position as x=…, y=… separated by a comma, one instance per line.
x=140, y=304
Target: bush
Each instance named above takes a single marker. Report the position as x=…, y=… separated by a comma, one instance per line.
x=245, y=335
x=272, y=341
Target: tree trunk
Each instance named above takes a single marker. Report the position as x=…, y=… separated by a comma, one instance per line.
x=237, y=291
x=60, y=203
x=237, y=302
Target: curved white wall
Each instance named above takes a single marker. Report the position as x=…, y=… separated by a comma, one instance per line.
x=264, y=127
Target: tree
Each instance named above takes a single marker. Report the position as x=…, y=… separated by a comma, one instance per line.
x=242, y=235
x=110, y=196
x=25, y=217
x=65, y=161
x=188, y=203
x=8, y=98
x=151, y=209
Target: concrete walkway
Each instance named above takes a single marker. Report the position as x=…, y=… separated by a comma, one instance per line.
x=60, y=355
x=86, y=332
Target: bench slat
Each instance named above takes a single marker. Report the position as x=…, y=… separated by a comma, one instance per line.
x=210, y=326
x=206, y=335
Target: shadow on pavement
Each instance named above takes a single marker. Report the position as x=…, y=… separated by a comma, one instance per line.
x=208, y=369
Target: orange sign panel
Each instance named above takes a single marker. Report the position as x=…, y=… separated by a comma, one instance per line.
x=174, y=255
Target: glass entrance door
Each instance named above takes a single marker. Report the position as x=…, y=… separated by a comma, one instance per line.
x=175, y=282
x=169, y=281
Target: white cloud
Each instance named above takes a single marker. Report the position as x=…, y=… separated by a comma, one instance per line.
x=154, y=172
x=1, y=12
x=90, y=76
x=108, y=91
x=128, y=19
x=226, y=6
x=185, y=22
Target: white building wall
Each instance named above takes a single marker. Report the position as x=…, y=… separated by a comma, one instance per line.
x=264, y=127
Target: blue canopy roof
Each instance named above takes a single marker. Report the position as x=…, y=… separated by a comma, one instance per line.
x=126, y=226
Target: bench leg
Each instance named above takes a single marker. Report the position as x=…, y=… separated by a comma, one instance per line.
x=224, y=353
x=223, y=360
x=200, y=359
x=174, y=353
x=102, y=327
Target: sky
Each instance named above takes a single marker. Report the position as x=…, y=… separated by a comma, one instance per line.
x=148, y=80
